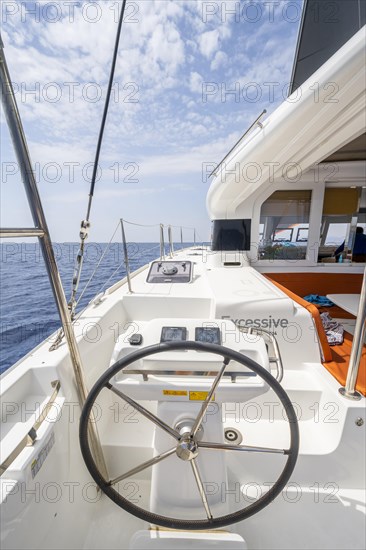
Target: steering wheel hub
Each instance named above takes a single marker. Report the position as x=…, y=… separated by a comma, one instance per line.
x=187, y=449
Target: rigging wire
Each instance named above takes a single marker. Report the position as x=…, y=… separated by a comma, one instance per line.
x=142, y=224
x=85, y=224
x=98, y=264
x=164, y=225
x=106, y=107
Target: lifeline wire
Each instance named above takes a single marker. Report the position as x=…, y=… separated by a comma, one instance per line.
x=85, y=224
x=106, y=106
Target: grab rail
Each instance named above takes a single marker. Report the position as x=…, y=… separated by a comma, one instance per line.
x=171, y=372
x=276, y=357
x=255, y=123
x=31, y=437
x=21, y=232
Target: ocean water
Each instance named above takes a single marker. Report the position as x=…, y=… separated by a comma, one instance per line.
x=28, y=312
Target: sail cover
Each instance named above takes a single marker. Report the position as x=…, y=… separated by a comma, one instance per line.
x=325, y=27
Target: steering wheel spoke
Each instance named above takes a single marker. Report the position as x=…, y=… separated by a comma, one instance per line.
x=201, y=488
x=149, y=415
x=209, y=396
x=245, y=448
x=143, y=466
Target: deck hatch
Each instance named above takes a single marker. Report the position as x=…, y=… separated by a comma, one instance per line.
x=170, y=272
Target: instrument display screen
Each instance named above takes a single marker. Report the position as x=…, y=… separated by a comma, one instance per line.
x=208, y=335
x=173, y=334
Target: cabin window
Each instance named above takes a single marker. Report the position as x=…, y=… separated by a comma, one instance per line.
x=231, y=234
x=336, y=233
x=343, y=220
x=302, y=235
x=284, y=225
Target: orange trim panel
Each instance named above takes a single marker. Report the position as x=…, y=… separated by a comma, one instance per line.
x=313, y=310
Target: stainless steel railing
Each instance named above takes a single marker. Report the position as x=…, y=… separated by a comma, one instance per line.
x=349, y=390
x=161, y=245
x=170, y=239
x=41, y=231
x=257, y=122
x=274, y=354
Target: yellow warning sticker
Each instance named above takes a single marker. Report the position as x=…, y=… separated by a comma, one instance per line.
x=199, y=396
x=175, y=392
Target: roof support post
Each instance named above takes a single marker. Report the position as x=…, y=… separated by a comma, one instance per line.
x=349, y=390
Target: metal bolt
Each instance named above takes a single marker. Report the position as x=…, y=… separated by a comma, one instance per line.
x=359, y=421
x=187, y=449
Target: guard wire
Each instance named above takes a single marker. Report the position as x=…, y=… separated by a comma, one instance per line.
x=106, y=107
x=85, y=224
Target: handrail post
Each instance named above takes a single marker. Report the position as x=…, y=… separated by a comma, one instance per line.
x=349, y=390
x=181, y=236
x=194, y=236
x=171, y=247
x=125, y=253
x=162, y=243
x=25, y=165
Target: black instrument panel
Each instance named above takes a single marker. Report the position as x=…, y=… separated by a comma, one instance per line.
x=173, y=334
x=208, y=335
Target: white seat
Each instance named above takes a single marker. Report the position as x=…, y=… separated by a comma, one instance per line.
x=159, y=540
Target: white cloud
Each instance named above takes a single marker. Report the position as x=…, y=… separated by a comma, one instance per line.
x=220, y=60
x=209, y=42
x=189, y=162
x=166, y=46
x=195, y=82
x=101, y=194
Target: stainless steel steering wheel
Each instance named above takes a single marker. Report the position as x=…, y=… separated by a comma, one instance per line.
x=187, y=445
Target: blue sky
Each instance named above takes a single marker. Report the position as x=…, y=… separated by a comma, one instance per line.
x=191, y=76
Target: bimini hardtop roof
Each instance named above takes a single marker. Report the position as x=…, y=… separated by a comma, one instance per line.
x=303, y=131
x=325, y=27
